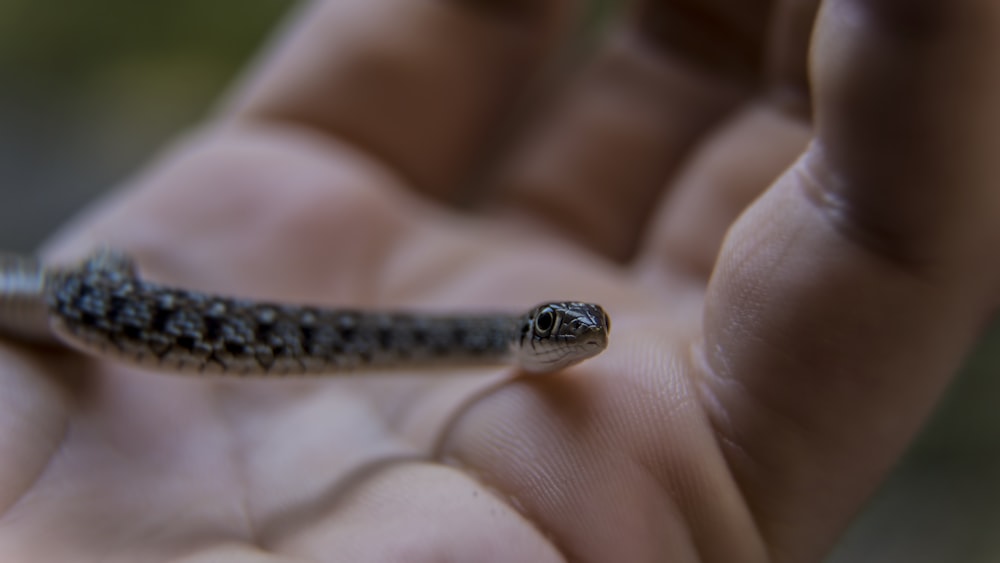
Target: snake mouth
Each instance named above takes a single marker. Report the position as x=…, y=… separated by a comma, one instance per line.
x=596, y=337
x=592, y=344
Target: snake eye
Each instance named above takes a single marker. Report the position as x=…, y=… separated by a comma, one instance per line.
x=544, y=322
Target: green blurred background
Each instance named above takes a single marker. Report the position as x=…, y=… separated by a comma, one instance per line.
x=91, y=90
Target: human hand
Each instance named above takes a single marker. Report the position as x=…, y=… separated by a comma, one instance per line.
x=755, y=390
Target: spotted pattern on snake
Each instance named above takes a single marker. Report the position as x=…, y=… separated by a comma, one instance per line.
x=104, y=308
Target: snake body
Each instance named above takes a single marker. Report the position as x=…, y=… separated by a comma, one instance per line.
x=103, y=307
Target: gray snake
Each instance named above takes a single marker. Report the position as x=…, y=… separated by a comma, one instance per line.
x=103, y=307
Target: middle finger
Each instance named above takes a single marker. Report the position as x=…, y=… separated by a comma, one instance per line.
x=594, y=167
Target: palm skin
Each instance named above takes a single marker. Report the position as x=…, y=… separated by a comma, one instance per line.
x=754, y=392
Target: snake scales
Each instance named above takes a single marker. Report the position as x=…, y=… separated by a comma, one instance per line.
x=103, y=307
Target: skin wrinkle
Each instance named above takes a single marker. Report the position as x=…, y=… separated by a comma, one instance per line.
x=511, y=498
x=68, y=388
x=280, y=525
x=678, y=493
x=806, y=367
x=838, y=211
x=724, y=428
x=7, y=512
x=530, y=485
x=236, y=454
x=786, y=420
x=283, y=526
x=739, y=457
x=762, y=409
x=647, y=468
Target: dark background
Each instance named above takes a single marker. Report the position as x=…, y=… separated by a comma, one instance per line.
x=90, y=90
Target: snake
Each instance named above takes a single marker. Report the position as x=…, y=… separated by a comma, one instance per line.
x=103, y=307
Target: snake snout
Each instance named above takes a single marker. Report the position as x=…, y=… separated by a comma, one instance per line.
x=594, y=340
x=592, y=328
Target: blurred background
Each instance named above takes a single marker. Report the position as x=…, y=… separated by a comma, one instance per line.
x=91, y=90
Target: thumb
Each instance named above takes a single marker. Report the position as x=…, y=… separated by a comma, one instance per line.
x=845, y=299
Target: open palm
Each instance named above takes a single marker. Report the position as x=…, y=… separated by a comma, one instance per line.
x=755, y=390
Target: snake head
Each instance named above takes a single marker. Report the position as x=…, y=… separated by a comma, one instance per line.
x=557, y=335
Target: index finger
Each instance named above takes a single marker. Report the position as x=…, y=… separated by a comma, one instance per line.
x=416, y=86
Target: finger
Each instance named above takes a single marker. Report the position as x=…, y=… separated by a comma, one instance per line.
x=740, y=159
x=594, y=167
x=731, y=169
x=846, y=298
x=415, y=85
